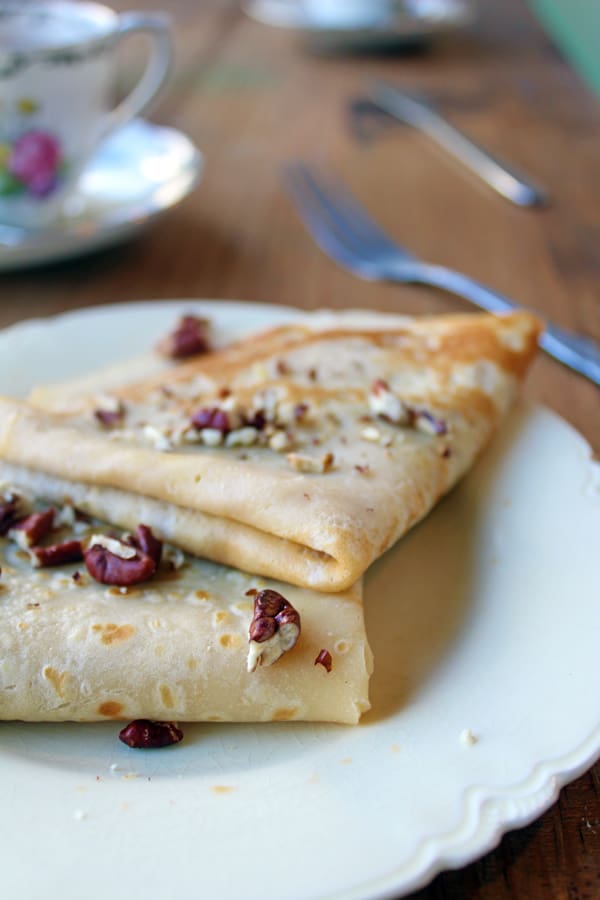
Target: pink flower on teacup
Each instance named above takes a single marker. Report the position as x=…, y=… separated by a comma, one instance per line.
x=35, y=161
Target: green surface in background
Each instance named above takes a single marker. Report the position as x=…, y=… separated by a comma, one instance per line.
x=574, y=26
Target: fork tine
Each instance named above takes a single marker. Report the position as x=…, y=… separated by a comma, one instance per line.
x=317, y=219
x=349, y=216
x=354, y=227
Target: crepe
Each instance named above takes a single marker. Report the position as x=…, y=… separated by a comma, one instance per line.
x=172, y=648
x=342, y=431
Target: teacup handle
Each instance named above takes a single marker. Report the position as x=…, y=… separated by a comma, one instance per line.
x=158, y=27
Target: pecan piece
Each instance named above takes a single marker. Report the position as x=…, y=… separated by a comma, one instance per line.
x=384, y=403
x=32, y=529
x=324, y=659
x=57, y=554
x=147, y=735
x=428, y=423
x=303, y=463
x=189, y=338
x=274, y=629
x=211, y=417
x=147, y=543
x=111, y=416
x=13, y=506
x=9, y=510
x=256, y=419
x=128, y=565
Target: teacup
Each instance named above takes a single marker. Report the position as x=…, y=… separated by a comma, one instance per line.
x=57, y=73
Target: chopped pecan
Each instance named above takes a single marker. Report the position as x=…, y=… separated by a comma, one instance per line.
x=300, y=411
x=145, y=734
x=211, y=417
x=13, y=506
x=113, y=562
x=9, y=510
x=274, y=629
x=370, y=433
x=256, y=419
x=122, y=549
x=426, y=421
x=161, y=438
x=110, y=416
x=386, y=404
x=174, y=559
x=242, y=437
x=189, y=338
x=310, y=463
x=324, y=659
x=56, y=554
x=32, y=529
x=145, y=541
x=281, y=441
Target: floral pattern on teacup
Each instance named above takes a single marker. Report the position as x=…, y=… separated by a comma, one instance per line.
x=31, y=159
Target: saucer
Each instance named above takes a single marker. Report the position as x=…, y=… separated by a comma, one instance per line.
x=363, y=27
x=136, y=174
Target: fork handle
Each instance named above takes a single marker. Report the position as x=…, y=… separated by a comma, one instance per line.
x=501, y=177
x=578, y=353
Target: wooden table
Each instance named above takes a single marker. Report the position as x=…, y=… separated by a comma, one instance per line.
x=252, y=97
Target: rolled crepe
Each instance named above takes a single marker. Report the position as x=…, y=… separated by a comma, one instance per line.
x=342, y=477
x=172, y=648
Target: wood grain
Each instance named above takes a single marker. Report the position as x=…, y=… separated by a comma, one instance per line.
x=253, y=98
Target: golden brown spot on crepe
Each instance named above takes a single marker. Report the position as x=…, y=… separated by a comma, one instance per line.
x=284, y=714
x=114, y=634
x=222, y=789
x=389, y=535
x=197, y=478
x=22, y=626
x=33, y=606
x=230, y=640
x=221, y=616
x=201, y=595
x=341, y=646
x=57, y=679
x=395, y=748
x=214, y=718
x=479, y=339
x=346, y=760
x=468, y=340
x=192, y=663
x=110, y=708
x=166, y=696
x=244, y=606
x=159, y=650
x=21, y=554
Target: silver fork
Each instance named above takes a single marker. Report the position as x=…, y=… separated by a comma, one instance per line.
x=348, y=235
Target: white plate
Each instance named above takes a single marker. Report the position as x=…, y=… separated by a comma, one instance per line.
x=137, y=174
x=485, y=617
x=362, y=24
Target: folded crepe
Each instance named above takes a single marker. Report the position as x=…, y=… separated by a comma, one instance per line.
x=301, y=453
x=172, y=648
